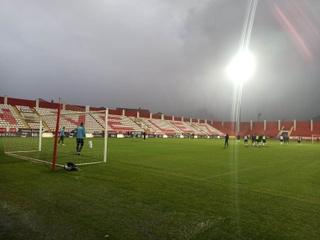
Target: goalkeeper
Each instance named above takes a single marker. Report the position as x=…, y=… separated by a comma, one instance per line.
x=80, y=135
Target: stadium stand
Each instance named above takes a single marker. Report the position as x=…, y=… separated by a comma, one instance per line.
x=148, y=126
x=208, y=130
x=184, y=127
x=258, y=128
x=199, y=130
x=245, y=129
x=70, y=122
x=228, y=127
x=272, y=129
x=217, y=125
x=118, y=123
x=48, y=116
x=302, y=129
x=164, y=126
x=287, y=125
x=9, y=119
x=30, y=116
x=316, y=127
x=16, y=114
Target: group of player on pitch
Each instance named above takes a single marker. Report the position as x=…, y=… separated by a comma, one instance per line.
x=256, y=140
x=79, y=133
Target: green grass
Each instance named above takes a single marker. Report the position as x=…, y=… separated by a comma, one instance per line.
x=165, y=189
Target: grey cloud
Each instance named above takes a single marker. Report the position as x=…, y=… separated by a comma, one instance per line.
x=168, y=56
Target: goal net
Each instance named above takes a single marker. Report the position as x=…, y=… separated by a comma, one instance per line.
x=57, y=137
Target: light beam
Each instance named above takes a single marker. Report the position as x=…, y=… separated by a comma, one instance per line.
x=241, y=67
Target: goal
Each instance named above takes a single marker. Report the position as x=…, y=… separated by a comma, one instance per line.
x=42, y=139
x=315, y=138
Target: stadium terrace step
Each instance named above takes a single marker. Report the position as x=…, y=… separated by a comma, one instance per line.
x=117, y=123
x=183, y=127
x=164, y=126
x=209, y=130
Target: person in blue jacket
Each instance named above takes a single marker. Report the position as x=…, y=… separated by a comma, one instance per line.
x=62, y=134
x=80, y=135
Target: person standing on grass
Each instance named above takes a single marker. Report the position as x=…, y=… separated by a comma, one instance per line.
x=226, y=141
x=144, y=135
x=62, y=134
x=245, y=138
x=80, y=135
x=260, y=140
x=253, y=140
x=281, y=139
x=264, y=140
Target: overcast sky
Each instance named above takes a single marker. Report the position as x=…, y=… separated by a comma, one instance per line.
x=164, y=55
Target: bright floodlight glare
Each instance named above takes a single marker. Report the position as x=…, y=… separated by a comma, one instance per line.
x=241, y=67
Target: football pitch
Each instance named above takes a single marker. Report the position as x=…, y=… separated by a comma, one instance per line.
x=164, y=189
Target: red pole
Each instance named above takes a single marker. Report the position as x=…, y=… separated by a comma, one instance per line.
x=55, y=146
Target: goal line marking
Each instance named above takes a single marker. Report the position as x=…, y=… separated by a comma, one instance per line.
x=13, y=154
x=29, y=158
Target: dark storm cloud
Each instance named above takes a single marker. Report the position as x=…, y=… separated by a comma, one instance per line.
x=164, y=55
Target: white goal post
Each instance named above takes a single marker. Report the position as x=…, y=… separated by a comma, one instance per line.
x=41, y=143
x=26, y=141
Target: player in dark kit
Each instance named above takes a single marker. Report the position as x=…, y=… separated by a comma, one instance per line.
x=226, y=141
x=259, y=140
x=253, y=140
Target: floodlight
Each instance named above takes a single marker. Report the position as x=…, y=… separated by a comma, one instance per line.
x=242, y=67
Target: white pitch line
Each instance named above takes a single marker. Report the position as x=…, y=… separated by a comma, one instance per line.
x=30, y=159
x=25, y=151
x=81, y=164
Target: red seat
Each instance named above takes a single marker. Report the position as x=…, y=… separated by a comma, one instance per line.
x=303, y=129
x=7, y=116
x=272, y=129
x=258, y=128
